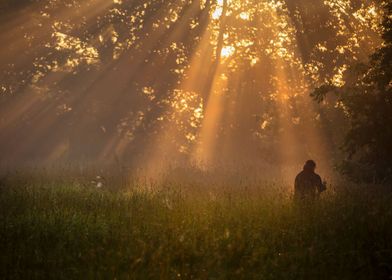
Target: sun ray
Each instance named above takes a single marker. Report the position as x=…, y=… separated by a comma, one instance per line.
x=191, y=81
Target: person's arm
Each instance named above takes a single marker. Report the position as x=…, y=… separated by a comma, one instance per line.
x=320, y=185
x=296, y=187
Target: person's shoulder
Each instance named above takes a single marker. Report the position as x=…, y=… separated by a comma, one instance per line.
x=300, y=174
x=318, y=177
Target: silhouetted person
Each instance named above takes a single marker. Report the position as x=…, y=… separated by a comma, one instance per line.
x=308, y=184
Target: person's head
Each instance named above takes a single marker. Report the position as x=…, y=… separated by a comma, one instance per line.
x=310, y=165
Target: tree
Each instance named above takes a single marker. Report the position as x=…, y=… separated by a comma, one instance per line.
x=94, y=77
x=366, y=98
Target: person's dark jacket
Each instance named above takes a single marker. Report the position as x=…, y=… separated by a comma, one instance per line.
x=308, y=185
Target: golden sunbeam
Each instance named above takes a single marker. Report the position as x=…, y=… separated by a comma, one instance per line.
x=163, y=148
x=195, y=139
x=197, y=81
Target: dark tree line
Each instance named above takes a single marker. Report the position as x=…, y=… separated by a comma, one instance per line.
x=366, y=99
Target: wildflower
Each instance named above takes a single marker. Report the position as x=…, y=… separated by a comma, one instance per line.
x=98, y=182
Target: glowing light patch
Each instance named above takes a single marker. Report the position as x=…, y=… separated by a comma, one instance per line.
x=244, y=16
x=217, y=13
x=338, y=79
x=227, y=51
x=254, y=61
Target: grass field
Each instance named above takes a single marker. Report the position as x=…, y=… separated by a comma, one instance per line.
x=71, y=229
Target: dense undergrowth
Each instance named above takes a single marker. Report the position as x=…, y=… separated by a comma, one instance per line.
x=71, y=229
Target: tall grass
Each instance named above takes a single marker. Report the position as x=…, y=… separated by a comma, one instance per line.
x=70, y=229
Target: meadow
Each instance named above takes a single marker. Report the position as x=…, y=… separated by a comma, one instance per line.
x=91, y=227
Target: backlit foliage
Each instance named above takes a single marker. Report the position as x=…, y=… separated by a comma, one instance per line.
x=110, y=77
